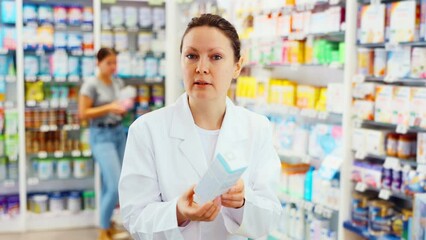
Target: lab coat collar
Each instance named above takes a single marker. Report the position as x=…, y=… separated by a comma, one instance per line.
x=233, y=130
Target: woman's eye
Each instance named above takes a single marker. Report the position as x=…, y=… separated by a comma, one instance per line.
x=191, y=56
x=217, y=57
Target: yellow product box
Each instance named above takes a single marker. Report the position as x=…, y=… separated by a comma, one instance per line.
x=297, y=52
x=289, y=93
x=401, y=105
x=383, y=103
x=246, y=87
x=321, y=104
x=417, y=107
x=275, y=92
x=307, y=96
x=309, y=51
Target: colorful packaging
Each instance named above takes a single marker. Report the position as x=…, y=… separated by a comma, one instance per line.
x=31, y=66
x=88, y=15
x=151, y=67
x=45, y=36
x=321, y=104
x=131, y=14
x=117, y=16
x=372, y=23
x=404, y=21
x=417, y=109
x=383, y=104
x=325, y=140
x=75, y=41
x=3, y=170
x=45, y=13
x=45, y=168
x=8, y=12
x=63, y=168
x=88, y=41
x=29, y=41
x=59, y=63
x=144, y=41
x=105, y=18
x=13, y=205
x=145, y=17
x=29, y=12
x=335, y=99
x=121, y=41
x=75, y=15
x=9, y=38
x=289, y=93
x=74, y=66
x=60, y=41
x=158, y=18
x=419, y=217
x=418, y=62
x=88, y=66
x=124, y=69
x=107, y=39
x=380, y=62
x=401, y=105
x=375, y=141
x=60, y=14
x=307, y=96
x=399, y=63
x=365, y=62
x=421, y=148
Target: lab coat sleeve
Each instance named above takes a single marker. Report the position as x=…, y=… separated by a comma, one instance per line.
x=262, y=209
x=144, y=214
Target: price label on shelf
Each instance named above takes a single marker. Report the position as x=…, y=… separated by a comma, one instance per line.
x=358, y=78
x=376, y=2
x=42, y=154
x=361, y=187
x=73, y=78
x=87, y=153
x=59, y=154
x=30, y=79
x=60, y=79
x=45, y=78
x=33, y=181
x=44, y=128
x=77, y=52
x=401, y=129
x=360, y=154
x=76, y=153
x=393, y=46
x=421, y=168
x=390, y=79
x=385, y=194
x=323, y=115
x=9, y=183
x=334, y=2
x=391, y=162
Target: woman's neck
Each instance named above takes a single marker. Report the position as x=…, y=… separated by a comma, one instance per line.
x=208, y=114
x=105, y=78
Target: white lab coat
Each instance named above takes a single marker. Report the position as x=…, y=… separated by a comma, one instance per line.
x=164, y=157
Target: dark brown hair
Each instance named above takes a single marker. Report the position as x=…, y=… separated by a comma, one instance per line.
x=104, y=53
x=220, y=23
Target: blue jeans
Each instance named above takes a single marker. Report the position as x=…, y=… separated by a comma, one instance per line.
x=108, y=146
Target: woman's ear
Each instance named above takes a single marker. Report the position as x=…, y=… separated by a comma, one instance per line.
x=238, y=67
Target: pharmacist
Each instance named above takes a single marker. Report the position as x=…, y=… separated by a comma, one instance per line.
x=169, y=150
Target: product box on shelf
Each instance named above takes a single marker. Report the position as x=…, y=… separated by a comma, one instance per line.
x=375, y=141
x=372, y=24
x=335, y=98
x=307, y=96
x=421, y=148
x=401, y=105
x=399, y=62
x=404, y=21
x=383, y=103
x=417, y=111
x=418, y=62
x=325, y=140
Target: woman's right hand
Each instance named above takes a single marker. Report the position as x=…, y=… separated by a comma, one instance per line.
x=187, y=209
x=116, y=108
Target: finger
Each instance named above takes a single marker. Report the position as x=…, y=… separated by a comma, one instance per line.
x=233, y=197
x=209, y=213
x=214, y=215
x=201, y=211
x=189, y=194
x=232, y=204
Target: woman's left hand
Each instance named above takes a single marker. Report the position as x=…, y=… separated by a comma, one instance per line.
x=234, y=197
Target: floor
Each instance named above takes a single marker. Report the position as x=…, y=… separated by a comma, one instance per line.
x=80, y=234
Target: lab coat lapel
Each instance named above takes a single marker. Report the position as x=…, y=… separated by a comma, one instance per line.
x=234, y=129
x=183, y=127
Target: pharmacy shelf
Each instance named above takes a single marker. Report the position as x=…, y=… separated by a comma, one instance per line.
x=363, y=232
x=61, y=154
x=50, y=79
x=63, y=220
x=371, y=45
x=392, y=45
x=398, y=129
x=36, y=185
x=331, y=36
x=11, y=224
x=143, y=80
x=289, y=156
x=8, y=187
x=400, y=161
x=84, y=27
x=297, y=66
x=386, y=193
x=318, y=4
x=45, y=51
x=48, y=128
x=320, y=209
x=399, y=81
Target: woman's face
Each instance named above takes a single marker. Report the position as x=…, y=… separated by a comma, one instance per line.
x=208, y=63
x=108, y=65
